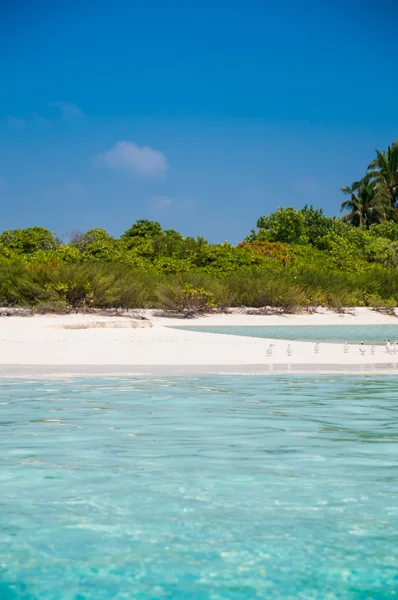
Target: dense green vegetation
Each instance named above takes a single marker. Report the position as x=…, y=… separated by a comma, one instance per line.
x=374, y=198
x=294, y=258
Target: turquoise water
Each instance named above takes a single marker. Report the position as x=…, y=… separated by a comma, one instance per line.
x=205, y=488
x=354, y=334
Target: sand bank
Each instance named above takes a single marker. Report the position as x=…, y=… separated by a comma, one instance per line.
x=94, y=344
x=322, y=316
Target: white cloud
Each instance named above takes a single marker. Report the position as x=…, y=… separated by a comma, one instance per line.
x=127, y=156
x=67, y=109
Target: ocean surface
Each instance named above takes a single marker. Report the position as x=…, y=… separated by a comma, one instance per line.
x=353, y=334
x=199, y=488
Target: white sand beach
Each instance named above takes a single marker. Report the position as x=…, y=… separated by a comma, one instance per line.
x=93, y=343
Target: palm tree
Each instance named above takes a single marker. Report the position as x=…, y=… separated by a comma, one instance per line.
x=364, y=205
x=383, y=171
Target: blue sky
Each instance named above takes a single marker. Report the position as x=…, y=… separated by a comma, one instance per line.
x=203, y=116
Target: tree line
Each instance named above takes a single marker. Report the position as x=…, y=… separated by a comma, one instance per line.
x=292, y=259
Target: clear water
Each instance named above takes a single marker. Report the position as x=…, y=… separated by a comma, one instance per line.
x=354, y=334
x=221, y=488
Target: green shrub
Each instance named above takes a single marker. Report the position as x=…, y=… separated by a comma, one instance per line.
x=186, y=299
x=297, y=259
x=26, y=241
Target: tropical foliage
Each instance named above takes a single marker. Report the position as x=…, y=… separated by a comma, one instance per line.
x=292, y=259
x=364, y=204
x=374, y=199
x=383, y=171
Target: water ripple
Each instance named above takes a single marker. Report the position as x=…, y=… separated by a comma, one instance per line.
x=208, y=487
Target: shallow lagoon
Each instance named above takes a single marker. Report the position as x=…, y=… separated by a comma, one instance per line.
x=199, y=488
x=353, y=334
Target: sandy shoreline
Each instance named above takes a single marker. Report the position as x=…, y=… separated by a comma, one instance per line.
x=117, y=371
x=92, y=344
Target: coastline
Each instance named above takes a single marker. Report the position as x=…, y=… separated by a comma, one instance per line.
x=91, y=344
x=250, y=316
x=37, y=372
